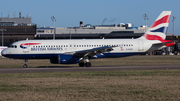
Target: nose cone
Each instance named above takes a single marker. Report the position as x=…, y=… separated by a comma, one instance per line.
x=3, y=52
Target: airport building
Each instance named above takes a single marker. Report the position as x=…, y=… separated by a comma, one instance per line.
x=15, y=29
x=90, y=32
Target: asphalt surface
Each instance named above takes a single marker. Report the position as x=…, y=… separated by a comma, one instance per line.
x=77, y=69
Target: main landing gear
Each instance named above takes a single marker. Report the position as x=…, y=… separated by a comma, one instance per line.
x=25, y=63
x=87, y=64
x=84, y=62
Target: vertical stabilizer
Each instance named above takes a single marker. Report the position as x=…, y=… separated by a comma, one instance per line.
x=158, y=28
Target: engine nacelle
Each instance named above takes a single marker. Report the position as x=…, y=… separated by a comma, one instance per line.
x=64, y=59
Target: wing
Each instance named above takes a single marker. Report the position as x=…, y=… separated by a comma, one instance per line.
x=91, y=52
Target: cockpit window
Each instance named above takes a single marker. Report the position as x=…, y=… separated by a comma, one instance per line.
x=12, y=46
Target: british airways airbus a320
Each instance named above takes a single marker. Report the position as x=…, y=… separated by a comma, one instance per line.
x=81, y=51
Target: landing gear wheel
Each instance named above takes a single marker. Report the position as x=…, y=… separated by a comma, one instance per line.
x=25, y=66
x=88, y=64
x=25, y=63
x=81, y=64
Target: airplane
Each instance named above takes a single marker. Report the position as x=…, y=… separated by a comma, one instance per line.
x=2, y=48
x=82, y=50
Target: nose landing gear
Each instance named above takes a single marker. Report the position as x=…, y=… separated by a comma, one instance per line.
x=25, y=63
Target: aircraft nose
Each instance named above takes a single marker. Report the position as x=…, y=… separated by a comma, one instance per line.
x=3, y=52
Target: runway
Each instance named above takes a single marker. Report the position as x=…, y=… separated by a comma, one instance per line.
x=80, y=69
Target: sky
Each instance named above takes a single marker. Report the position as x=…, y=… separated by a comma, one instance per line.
x=69, y=13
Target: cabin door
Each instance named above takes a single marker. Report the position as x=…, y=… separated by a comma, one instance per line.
x=140, y=45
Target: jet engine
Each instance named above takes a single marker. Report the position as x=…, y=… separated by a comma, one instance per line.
x=64, y=59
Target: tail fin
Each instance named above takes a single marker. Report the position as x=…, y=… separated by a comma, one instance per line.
x=158, y=29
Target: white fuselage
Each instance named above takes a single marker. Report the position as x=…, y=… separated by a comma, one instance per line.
x=46, y=48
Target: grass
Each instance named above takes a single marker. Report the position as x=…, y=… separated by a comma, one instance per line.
x=147, y=85
x=134, y=60
x=94, y=86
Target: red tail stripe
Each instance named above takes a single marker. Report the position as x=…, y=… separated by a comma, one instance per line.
x=152, y=37
x=165, y=19
x=155, y=37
